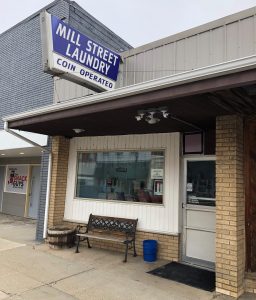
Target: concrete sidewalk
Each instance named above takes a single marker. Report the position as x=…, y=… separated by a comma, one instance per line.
x=33, y=271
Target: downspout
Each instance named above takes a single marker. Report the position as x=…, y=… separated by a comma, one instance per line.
x=46, y=210
x=7, y=129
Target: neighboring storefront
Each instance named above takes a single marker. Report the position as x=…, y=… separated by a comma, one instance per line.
x=172, y=150
x=20, y=176
x=24, y=85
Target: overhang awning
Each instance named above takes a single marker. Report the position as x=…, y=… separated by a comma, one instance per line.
x=196, y=97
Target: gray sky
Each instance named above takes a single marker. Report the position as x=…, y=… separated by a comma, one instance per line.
x=136, y=21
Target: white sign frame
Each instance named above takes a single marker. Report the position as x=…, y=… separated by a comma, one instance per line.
x=53, y=63
x=21, y=171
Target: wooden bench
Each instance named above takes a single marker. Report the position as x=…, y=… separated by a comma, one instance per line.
x=113, y=229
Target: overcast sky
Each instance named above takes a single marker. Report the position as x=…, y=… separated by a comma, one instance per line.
x=136, y=21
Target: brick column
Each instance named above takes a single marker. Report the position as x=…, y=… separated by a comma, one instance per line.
x=230, y=206
x=60, y=152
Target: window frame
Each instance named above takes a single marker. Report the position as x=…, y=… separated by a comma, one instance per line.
x=120, y=201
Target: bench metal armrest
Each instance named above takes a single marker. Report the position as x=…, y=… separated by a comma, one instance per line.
x=79, y=229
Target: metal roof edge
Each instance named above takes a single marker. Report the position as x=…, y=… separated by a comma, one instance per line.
x=207, y=72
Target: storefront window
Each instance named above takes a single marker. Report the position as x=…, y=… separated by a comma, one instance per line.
x=123, y=176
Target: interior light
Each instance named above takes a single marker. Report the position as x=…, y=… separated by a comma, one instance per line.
x=78, y=130
x=152, y=115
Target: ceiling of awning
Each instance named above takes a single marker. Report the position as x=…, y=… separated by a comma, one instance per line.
x=197, y=103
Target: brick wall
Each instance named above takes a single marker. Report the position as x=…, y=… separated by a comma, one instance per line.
x=60, y=152
x=230, y=206
x=168, y=245
x=88, y=25
x=23, y=83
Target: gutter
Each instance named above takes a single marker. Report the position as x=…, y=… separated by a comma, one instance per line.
x=213, y=71
x=7, y=129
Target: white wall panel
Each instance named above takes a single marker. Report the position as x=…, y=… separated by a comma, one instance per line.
x=155, y=218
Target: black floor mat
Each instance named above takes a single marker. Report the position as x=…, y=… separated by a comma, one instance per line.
x=196, y=277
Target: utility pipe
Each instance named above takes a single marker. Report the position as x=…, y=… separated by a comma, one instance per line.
x=46, y=210
x=7, y=129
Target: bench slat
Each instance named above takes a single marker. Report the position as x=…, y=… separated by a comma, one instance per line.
x=103, y=237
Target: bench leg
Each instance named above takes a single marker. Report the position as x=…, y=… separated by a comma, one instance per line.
x=88, y=243
x=126, y=252
x=77, y=245
x=134, y=249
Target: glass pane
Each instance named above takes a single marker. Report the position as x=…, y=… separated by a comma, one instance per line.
x=201, y=183
x=193, y=143
x=124, y=176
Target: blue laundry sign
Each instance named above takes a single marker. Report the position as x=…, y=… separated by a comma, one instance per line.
x=77, y=57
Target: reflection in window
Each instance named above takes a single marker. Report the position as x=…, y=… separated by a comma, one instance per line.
x=201, y=183
x=123, y=175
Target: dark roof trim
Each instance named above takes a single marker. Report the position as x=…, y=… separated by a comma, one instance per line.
x=172, y=92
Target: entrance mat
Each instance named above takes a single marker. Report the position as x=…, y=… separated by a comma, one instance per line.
x=196, y=277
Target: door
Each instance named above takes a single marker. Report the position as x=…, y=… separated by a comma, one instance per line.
x=34, y=194
x=199, y=213
x=250, y=194
x=2, y=176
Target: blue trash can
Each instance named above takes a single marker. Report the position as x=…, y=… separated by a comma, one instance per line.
x=149, y=250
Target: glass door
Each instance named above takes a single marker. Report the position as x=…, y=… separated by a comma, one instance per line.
x=199, y=212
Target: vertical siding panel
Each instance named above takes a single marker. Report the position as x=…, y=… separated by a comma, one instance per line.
x=180, y=56
x=125, y=77
x=158, y=63
x=130, y=70
x=232, y=41
x=139, y=68
x=168, y=59
x=254, y=34
x=191, y=53
x=148, y=67
x=203, y=49
x=218, y=45
x=246, y=37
